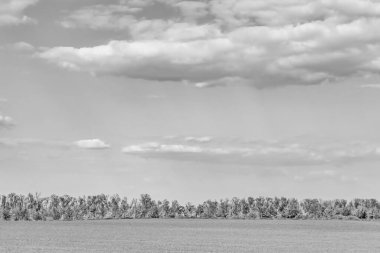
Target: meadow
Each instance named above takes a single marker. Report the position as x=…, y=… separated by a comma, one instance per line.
x=190, y=235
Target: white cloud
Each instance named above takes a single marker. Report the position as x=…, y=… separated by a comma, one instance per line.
x=155, y=96
x=92, y=144
x=152, y=59
x=258, y=153
x=372, y=85
x=198, y=139
x=109, y=17
x=158, y=29
x=21, y=46
x=31, y=142
x=217, y=42
x=279, y=13
x=193, y=9
x=6, y=121
x=156, y=147
x=136, y=3
x=327, y=174
x=11, y=12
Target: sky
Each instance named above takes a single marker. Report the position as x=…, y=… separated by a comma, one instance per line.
x=190, y=100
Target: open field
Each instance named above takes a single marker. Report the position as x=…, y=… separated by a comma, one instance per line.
x=173, y=235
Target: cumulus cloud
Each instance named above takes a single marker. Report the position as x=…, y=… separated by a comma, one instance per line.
x=12, y=12
x=92, y=144
x=258, y=152
x=216, y=42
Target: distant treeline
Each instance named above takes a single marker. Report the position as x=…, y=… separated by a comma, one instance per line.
x=33, y=207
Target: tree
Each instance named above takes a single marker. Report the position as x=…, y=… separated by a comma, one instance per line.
x=174, y=209
x=146, y=205
x=190, y=211
x=312, y=208
x=234, y=208
x=164, y=209
x=292, y=210
x=33, y=207
x=114, y=206
x=222, y=209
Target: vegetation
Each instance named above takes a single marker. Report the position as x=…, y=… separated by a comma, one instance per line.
x=33, y=207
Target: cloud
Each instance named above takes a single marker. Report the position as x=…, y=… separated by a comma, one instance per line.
x=6, y=121
x=11, y=12
x=152, y=59
x=276, y=154
x=198, y=139
x=189, y=139
x=215, y=43
x=23, y=46
x=170, y=30
x=327, y=174
x=155, y=96
x=280, y=13
x=108, y=17
x=193, y=9
x=373, y=86
x=156, y=147
x=32, y=142
x=92, y=144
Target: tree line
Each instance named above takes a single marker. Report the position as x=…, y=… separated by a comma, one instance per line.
x=33, y=207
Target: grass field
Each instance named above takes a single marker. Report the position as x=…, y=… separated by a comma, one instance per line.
x=190, y=236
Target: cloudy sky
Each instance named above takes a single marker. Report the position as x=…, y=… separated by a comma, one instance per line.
x=190, y=100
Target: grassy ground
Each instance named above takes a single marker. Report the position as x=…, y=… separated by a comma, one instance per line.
x=190, y=236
